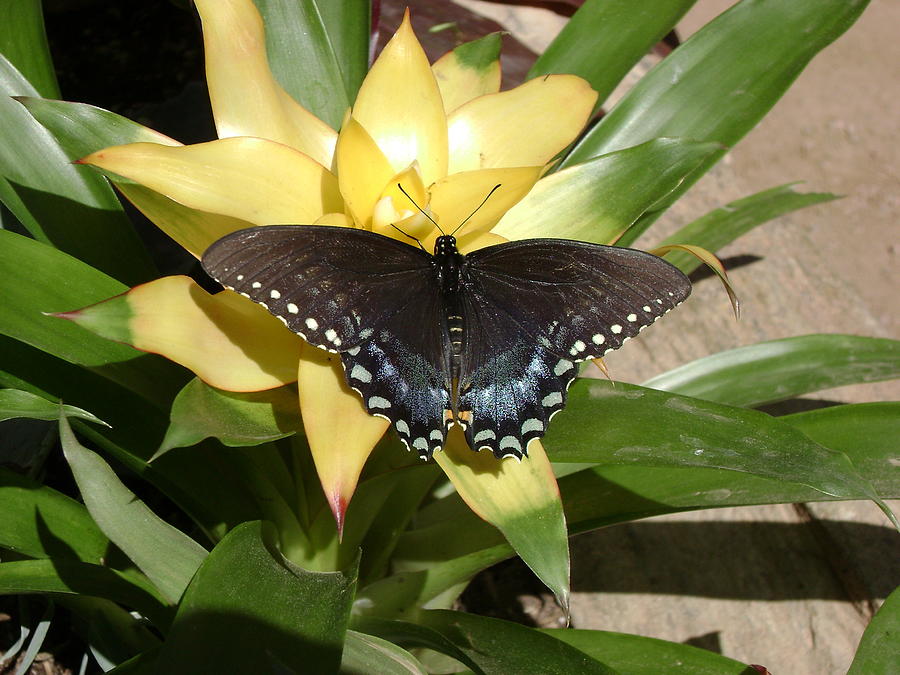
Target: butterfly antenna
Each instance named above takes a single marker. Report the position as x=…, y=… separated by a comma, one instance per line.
x=419, y=207
x=406, y=234
x=483, y=202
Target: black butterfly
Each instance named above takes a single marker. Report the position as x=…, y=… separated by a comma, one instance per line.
x=489, y=340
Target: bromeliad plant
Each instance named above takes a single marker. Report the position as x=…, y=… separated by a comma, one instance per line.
x=318, y=543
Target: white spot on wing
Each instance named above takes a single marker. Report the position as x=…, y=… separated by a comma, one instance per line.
x=552, y=399
x=240, y=277
x=485, y=435
x=510, y=442
x=402, y=427
x=646, y=308
x=256, y=284
x=312, y=324
x=632, y=317
x=379, y=402
x=616, y=328
x=562, y=367
x=274, y=294
x=292, y=308
x=436, y=435
x=360, y=373
x=598, y=339
x=532, y=424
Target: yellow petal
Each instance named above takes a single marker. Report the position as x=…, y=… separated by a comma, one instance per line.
x=477, y=240
x=252, y=179
x=362, y=171
x=228, y=341
x=335, y=219
x=340, y=432
x=527, y=125
x=194, y=230
x=400, y=215
x=498, y=489
x=469, y=71
x=246, y=99
x=400, y=106
x=455, y=197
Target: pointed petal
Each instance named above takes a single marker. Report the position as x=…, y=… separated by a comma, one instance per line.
x=194, y=230
x=521, y=499
x=228, y=341
x=400, y=105
x=455, y=197
x=340, y=432
x=469, y=71
x=246, y=99
x=398, y=215
x=524, y=126
x=253, y=179
x=362, y=171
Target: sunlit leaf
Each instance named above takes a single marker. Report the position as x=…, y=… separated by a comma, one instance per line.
x=18, y=403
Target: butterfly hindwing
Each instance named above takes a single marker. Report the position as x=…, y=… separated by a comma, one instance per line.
x=368, y=297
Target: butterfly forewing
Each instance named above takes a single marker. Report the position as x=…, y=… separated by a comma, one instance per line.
x=371, y=298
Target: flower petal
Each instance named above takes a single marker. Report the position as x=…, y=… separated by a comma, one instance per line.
x=523, y=126
x=455, y=197
x=340, y=432
x=194, y=230
x=400, y=105
x=253, y=179
x=521, y=499
x=246, y=99
x=469, y=71
x=399, y=215
x=228, y=341
x=362, y=171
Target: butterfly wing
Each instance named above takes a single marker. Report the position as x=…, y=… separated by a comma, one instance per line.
x=534, y=308
x=370, y=298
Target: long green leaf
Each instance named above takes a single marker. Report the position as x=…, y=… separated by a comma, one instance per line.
x=71, y=207
x=303, y=55
x=24, y=42
x=605, y=38
x=879, y=649
x=780, y=369
x=866, y=432
x=451, y=544
x=724, y=225
x=249, y=610
x=637, y=655
x=65, y=283
x=598, y=200
x=166, y=555
x=18, y=403
x=236, y=419
x=495, y=646
x=661, y=429
x=40, y=522
x=110, y=629
x=80, y=578
x=724, y=79
x=349, y=27
x=364, y=654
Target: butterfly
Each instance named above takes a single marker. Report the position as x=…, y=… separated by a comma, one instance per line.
x=489, y=340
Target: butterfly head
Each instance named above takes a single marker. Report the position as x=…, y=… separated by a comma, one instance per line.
x=445, y=245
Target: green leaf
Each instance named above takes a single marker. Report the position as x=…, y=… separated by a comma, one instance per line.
x=80, y=578
x=605, y=38
x=166, y=555
x=722, y=226
x=365, y=654
x=81, y=129
x=661, y=429
x=306, y=54
x=65, y=283
x=24, y=42
x=109, y=629
x=598, y=200
x=866, y=432
x=18, y=403
x=636, y=655
x=879, y=648
x=39, y=522
x=69, y=206
x=780, y=369
x=250, y=610
x=492, y=645
x=236, y=419
x=724, y=79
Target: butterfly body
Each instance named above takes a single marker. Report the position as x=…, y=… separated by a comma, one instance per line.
x=487, y=340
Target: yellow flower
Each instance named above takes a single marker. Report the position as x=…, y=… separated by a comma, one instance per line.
x=445, y=132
